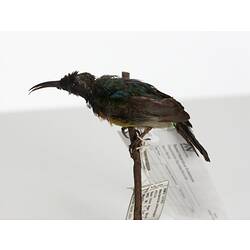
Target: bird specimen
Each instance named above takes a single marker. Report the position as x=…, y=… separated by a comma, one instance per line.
x=128, y=103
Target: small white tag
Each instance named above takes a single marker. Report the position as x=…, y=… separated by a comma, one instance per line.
x=153, y=199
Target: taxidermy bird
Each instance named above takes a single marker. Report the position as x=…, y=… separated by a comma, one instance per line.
x=128, y=103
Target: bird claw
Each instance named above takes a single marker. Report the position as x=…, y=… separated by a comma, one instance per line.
x=138, y=144
x=135, y=145
x=143, y=139
x=125, y=132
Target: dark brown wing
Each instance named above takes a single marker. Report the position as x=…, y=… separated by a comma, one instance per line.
x=165, y=109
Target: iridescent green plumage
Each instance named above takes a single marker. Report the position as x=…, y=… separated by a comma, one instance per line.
x=134, y=103
x=128, y=103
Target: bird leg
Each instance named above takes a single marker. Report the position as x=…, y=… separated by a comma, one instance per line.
x=136, y=142
x=138, y=139
x=134, y=146
x=125, y=131
x=146, y=130
x=141, y=135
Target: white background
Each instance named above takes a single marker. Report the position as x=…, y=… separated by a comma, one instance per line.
x=182, y=64
x=125, y=15
x=59, y=163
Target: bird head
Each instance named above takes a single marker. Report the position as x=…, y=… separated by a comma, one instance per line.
x=78, y=84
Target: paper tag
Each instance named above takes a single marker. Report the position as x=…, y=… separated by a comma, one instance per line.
x=153, y=199
x=191, y=194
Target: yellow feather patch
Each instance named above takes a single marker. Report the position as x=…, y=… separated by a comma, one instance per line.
x=112, y=121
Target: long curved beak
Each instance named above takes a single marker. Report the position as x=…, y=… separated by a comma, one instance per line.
x=55, y=84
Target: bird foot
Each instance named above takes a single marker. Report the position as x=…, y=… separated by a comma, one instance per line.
x=139, y=143
x=135, y=145
x=146, y=130
x=125, y=132
x=139, y=134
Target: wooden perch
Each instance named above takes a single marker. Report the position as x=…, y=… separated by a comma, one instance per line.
x=135, y=155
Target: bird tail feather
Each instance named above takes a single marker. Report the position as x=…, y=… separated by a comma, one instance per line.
x=184, y=130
